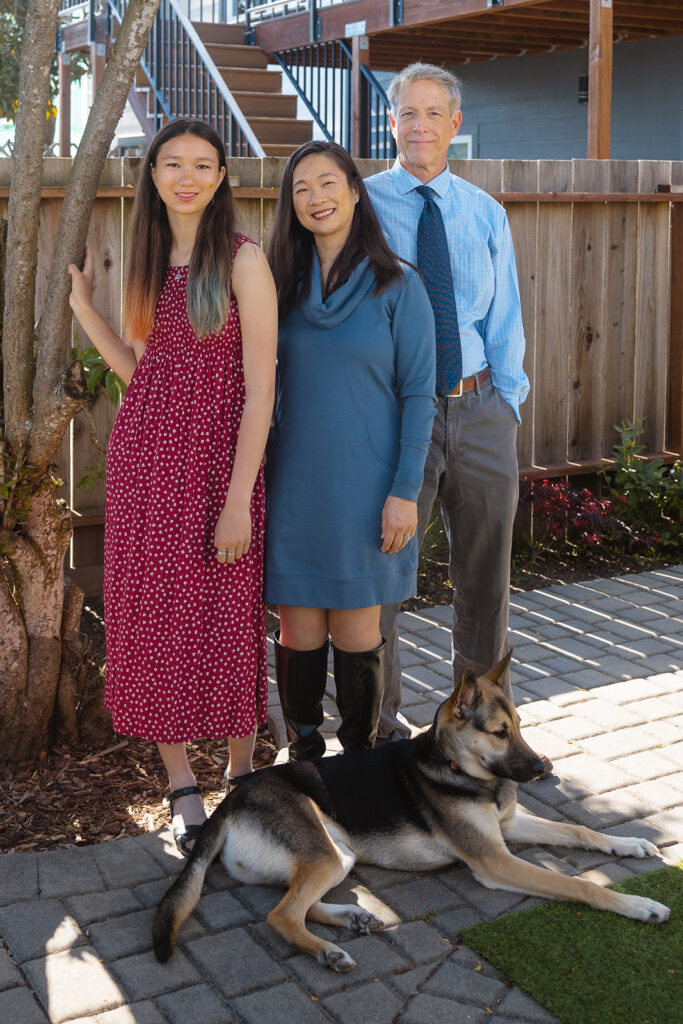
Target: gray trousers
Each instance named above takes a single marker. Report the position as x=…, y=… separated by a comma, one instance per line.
x=471, y=471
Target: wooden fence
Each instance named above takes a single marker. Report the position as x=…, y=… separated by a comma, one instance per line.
x=599, y=251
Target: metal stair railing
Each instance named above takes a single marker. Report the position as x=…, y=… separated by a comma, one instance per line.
x=185, y=82
x=377, y=139
x=321, y=75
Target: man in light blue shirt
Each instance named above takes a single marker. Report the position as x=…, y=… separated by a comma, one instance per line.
x=471, y=468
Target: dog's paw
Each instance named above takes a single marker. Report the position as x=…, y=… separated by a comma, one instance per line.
x=642, y=908
x=337, y=959
x=632, y=846
x=365, y=922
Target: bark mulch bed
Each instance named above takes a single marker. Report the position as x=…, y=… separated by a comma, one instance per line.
x=79, y=796
x=111, y=786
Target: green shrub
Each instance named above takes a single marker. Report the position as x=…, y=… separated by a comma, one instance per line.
x=647, y=496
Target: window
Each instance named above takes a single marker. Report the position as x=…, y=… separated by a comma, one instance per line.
x=460, y=148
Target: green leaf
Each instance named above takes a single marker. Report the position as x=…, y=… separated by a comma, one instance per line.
x=111, y=384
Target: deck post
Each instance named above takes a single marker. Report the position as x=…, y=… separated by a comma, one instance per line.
x=360, y=53
x=599, y=79
x=64, y=102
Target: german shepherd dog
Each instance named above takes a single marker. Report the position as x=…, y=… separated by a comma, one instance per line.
x=446, y=795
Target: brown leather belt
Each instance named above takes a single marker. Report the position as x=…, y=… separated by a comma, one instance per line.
x=470, y=383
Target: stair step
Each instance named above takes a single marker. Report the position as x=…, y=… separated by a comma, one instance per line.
x=258, y=91
x=228, y=55
x=279, y=148
x=210, y=32
x=252, y=80
x=281, y=129
x=262, y=104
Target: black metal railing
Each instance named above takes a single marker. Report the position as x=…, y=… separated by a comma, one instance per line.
x=321, y=73
x=376, y=139
x=183, y=80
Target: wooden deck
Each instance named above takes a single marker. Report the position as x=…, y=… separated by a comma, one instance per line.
x=464, y=31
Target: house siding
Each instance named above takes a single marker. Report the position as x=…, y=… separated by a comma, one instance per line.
x=527, y=107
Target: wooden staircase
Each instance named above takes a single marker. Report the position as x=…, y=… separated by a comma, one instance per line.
x=257, y=91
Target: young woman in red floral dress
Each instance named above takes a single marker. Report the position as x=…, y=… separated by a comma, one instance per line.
x=186, y=642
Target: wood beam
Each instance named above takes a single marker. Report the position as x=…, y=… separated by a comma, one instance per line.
x=600, y=79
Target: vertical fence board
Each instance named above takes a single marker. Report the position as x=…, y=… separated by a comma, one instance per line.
x=272, y=176
x=553, y=307
x=104, y=241
x=248, y=173
x=587, y=332
x=485, y=174
x=522, y=176
x=621, y=271
x=652, y=306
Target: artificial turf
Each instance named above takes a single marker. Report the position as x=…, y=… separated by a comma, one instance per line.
x=587, y=966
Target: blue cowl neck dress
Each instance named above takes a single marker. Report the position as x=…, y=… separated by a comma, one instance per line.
x=354, y=411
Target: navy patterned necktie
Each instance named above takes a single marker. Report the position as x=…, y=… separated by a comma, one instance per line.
x=434, y=264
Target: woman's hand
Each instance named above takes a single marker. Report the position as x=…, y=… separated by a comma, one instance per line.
x=82, y=283
x=399, y=523
x=232, y=535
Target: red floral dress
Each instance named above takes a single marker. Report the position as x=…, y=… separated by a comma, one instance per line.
x=186, y=640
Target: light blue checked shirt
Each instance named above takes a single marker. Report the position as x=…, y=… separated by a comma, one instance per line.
x=482, y=263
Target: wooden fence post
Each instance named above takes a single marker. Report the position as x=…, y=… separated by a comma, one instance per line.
x=674, y=426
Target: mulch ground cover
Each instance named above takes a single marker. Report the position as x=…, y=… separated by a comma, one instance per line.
x=590, y=967
x=79, y=796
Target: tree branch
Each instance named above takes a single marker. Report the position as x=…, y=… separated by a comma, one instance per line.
x=53, y=336
x=24, y=217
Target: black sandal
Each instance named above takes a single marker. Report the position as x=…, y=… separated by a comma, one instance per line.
x=186, y=835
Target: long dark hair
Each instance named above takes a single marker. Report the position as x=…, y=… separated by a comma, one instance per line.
x=208, y=290
x=290, y=251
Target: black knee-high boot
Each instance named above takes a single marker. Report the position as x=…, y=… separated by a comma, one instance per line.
x=301, y=677
x=359, y=678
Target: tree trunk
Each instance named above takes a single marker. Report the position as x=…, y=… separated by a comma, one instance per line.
x=32, y=603
x=72, y=668
x=42, y=393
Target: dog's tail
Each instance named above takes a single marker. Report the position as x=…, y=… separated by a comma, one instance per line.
x=183, y=896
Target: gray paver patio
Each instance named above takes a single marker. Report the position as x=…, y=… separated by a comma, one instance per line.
x=598, y=680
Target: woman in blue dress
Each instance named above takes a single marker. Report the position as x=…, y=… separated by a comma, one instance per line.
x=355, y=403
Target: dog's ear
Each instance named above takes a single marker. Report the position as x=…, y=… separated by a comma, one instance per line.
x=495, y=674
x=463, y=691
